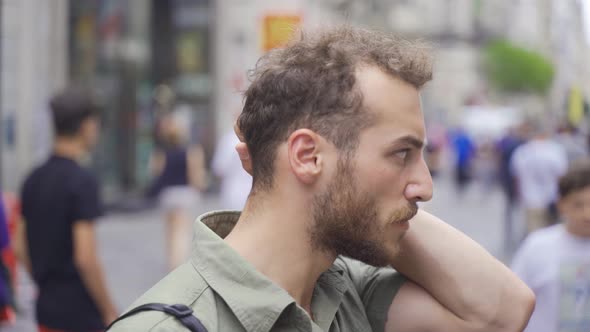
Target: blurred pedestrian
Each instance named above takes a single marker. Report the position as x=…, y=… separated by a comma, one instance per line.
x=235, y=182
x=485, y=166
x=162, y=103
x=555, y=261
x=437, y=137
x=334, y=136
x=572, y=142
x=506, y=147
x=537, y=165
x=180, y=174
x=57, y=240
x=465, y=151
x=7, y=305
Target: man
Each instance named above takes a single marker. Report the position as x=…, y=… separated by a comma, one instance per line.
x=572, y=141
x=334, y=135
x=465, y=151
x=60, y=202
x=537, y=166
x=505, y=150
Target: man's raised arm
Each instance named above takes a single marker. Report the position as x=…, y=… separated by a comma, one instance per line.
x=456, y=284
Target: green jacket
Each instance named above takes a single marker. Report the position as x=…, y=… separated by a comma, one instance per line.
x=228, y=294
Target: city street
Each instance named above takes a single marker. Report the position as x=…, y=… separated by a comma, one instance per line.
x=145, y=95
x=132, y=245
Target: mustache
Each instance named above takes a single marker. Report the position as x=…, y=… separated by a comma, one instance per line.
x=406, y=213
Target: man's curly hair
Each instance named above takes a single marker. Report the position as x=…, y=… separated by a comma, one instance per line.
x=311, y=83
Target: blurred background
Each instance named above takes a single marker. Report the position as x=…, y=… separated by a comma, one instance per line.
x=499, y=65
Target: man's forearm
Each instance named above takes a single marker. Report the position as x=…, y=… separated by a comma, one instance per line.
x=93, y=278
x=461, y=275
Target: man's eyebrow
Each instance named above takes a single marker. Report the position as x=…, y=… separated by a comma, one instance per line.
x=409, y=140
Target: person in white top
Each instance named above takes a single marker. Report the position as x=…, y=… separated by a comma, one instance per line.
x=555, y=262
x=235, y=182
x=537, y=166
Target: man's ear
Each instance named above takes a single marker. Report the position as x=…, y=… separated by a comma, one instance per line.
x=244, y=154
x=304, y=155
x=242, y=150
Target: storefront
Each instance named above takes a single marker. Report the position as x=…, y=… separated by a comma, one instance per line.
x=129, y=51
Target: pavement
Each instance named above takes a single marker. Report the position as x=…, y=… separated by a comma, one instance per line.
x=132, y=244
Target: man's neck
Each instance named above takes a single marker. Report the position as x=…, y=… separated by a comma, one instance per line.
x=70, y=148
x=274, y=236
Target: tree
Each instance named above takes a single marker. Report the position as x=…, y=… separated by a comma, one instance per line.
x=510, y=68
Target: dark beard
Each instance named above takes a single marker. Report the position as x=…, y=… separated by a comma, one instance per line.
x=346, y=222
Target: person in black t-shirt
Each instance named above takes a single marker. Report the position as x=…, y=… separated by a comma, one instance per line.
x=60, y=202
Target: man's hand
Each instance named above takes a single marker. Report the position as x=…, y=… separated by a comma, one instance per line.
x=110, y=317
x=242, y=150
x=90, y=269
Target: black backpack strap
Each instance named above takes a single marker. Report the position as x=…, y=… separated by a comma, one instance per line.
x=181, y=312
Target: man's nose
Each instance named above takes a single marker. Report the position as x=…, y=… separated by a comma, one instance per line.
x=419, y=188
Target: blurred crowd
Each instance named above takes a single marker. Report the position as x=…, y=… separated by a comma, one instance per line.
x=525, y=161
x=543, y=172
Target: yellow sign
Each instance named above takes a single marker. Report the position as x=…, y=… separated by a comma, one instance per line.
x=277, y=30
x=189, y=52
x=576, y=106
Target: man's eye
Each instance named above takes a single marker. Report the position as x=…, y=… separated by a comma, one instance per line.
x=402, y=154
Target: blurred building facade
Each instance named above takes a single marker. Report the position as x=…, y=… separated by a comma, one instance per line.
x=201, y=50
x=126, y=51
x=130, y=51
x=555, y=29
x=34, y=62
x=461, y=28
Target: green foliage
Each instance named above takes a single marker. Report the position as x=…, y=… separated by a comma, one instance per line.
x=513, y=69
